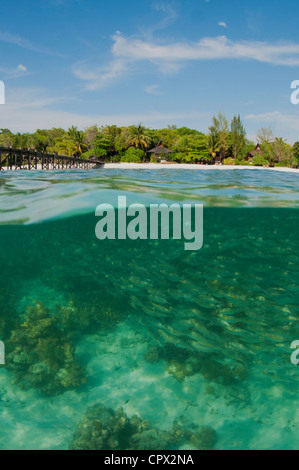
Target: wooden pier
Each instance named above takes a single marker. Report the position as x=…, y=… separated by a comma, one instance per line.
x=18, y=159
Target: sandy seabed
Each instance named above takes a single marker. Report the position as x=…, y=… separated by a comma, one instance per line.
x=255, y=415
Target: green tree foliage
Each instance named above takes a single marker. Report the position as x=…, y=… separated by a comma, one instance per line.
x=198, y=149
x=276, y=149
x=183, y=144
x=133, y=155
x=179, y=157
x=218, y=135
x=213, y=142
x=57, y=133
x=90, y=134
x=63, y=147
x=237, y=136
x=112, y=132
x=248, y=147
x=139, y=137
x=228, y=161
x=281, y=150
x=113, y=143
x=77, y=137
x=6, y=138
x=118, y=136
x=103, y=147
x=42, y=140
x=259, y=160
x=296, y=150
x=21, y=141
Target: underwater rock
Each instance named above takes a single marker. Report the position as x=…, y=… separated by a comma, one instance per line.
x=102, y=428
x=41, y=356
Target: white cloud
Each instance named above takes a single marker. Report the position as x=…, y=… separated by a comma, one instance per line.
x=169, y=58
x=102, y=76
x=8, y=72
x=153, y=90
x=223, y=24
x=206, y=49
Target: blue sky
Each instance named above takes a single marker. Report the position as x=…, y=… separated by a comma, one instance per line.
x=84, y=62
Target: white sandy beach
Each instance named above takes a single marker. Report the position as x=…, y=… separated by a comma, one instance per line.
x=173, y=166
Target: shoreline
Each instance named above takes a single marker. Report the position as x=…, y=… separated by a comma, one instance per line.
x=182, y=166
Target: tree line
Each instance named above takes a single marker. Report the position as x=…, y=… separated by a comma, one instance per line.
x=227, y=140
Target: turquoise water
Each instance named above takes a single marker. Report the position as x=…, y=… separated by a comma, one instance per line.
x=194, y=347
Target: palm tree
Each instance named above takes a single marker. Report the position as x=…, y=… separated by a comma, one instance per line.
x=77, y=137
x=139, y=137
x=213, y=142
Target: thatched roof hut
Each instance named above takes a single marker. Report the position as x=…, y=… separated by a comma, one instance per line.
x=160, y=151
x=256, y=151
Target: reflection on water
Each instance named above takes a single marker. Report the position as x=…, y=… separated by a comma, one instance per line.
x=131, y=345
x=43, y=195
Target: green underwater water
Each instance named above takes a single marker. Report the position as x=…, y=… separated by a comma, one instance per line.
x=195, y=344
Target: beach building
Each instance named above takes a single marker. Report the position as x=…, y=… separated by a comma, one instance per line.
x=217, y=159
x=160, y=152
x=255, y=152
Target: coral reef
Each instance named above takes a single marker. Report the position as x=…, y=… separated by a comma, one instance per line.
x=182, y=363
x=41, y=356
x=80, y=317
x=204, y=439
x=41, y=343
x=102, y=428
x=180, y=370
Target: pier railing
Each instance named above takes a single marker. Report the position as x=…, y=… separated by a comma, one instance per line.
x=18, y=159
